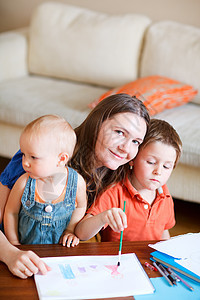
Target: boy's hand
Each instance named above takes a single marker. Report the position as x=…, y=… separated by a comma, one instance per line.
x=115, y=218
x=68, y=239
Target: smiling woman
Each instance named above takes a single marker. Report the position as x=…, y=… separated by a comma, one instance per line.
x=118, y=140
x=108, y=139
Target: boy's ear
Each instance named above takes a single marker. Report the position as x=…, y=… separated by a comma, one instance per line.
x=62, y=159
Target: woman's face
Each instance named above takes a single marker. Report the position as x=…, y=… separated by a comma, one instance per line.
x=118, y=140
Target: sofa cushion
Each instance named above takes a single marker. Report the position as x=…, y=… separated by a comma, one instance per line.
x=13, y=54
x=27, y=98
x=157, y=93
x=82, y=45
x=173, y=50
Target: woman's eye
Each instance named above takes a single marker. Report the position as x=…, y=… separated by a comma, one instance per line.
x=119, y=132
x=136, y=142
x=166, y=167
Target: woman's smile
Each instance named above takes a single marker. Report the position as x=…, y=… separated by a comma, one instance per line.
x=116, y=155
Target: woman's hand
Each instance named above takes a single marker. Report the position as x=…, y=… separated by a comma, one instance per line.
x=21, y=263
x=68, y=239
x=25, y=263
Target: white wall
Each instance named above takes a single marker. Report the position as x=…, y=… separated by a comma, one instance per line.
x=16, y=13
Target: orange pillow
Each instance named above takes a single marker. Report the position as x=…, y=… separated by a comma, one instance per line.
x=157, y=93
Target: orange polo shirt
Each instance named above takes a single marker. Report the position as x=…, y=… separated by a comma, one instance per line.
x=145, y=221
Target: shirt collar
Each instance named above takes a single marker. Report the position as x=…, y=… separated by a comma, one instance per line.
x=162, y=192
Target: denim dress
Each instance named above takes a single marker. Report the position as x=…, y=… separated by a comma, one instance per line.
x=39, y=225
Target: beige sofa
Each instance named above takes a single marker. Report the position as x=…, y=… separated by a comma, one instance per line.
x=69, y=56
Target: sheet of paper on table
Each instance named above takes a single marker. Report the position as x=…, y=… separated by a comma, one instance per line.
x=87, y=277
x=180, y=247
x=184, y=248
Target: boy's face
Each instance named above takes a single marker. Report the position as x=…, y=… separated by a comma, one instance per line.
x=153, y=166
x=39, y=159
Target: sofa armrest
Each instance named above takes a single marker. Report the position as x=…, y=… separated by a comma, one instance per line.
x=13, y=54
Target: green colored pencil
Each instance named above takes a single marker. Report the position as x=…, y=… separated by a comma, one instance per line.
x=121, y=237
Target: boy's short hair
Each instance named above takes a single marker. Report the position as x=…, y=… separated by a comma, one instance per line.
x=162, y=131
x=60, y=130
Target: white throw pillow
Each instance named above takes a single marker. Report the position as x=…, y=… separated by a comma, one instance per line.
x=173, y=50
x=78, y=44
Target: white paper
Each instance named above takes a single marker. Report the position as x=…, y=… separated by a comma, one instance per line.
x=192, y=263
x=86, y=277
x=180, y=247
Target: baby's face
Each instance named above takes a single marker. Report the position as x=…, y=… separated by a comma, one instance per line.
x=39, y=159
x=153, y=166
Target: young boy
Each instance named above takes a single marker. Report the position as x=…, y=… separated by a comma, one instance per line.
x=48, y=200
x=149, y=207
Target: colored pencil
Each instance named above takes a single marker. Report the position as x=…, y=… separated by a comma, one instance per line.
x=158, y=267
x=180, y=279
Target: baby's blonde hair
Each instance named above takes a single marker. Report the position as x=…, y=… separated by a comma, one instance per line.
x=60, y=131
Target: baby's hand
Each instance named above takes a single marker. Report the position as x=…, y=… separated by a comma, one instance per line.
x=69, y=239
x=115, y=218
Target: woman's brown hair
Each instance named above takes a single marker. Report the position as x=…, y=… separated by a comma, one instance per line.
x=83, y=159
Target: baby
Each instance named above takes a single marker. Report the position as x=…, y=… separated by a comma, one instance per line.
x=47, y=201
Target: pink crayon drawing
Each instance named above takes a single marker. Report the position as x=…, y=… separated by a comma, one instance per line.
x=114, y=270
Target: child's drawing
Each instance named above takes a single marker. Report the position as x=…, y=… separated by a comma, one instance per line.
x=76, y=277
x=67, y=272
x=114, y=269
